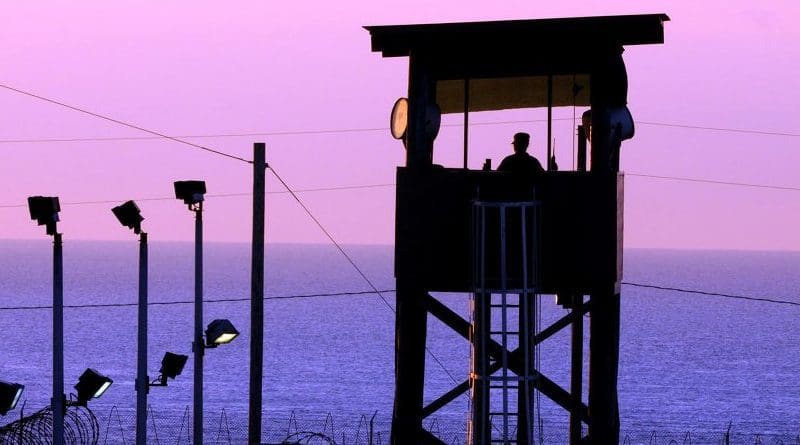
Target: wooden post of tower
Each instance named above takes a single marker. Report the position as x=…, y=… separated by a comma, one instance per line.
x=411, y=321
x=609, y=89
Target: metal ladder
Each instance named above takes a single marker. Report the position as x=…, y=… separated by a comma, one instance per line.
x=502, y=313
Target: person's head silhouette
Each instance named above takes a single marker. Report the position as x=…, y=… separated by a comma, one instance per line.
x=521, y=142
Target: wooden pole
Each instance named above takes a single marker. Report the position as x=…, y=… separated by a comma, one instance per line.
x=257, y=296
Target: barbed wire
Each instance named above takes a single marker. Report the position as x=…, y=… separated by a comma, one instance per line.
x=80, y=428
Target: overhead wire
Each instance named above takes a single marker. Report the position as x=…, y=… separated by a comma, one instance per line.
x=179, y=302
x=351, y=261
x=158, y=135
x=712, y=294
x=250, y=134
x=123, y=123
x=291, y=192
x=721, y=129
x=386, y=291
x=712, y=181
x=216, y=195
x=181, y=138
x=384, y=185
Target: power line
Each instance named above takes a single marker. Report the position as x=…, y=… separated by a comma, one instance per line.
x=355, y=130
x=722, y=129
x=252, y=134
x=125, y=124
x=369, y=186
x=352, y=262
x=379, y=292
x=178, y=302
x=218, y=195
x=712, y=294
x=711, y=181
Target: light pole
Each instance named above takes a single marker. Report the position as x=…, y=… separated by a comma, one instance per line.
x=219, y=332
x=191, y=192
x=130, y=216
x=44, y=209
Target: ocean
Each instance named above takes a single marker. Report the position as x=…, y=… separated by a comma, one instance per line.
x=690, y=364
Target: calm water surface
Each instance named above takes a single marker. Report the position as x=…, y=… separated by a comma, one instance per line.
x=687, y=362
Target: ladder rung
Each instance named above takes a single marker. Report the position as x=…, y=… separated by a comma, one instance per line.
x=511, y=378
x=502, y=333
x=503, y=386
x=506, y=305
x=498, y=291
x=500, y=413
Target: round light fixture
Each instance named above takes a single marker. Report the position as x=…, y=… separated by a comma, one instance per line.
x=398, y=122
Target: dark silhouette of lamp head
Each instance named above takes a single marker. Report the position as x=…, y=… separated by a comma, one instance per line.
x=172, y=365
x=91, y=385
x=129, y=216
x=44, y=209
x=191, y=192
x=10, y=394
x=220, y=332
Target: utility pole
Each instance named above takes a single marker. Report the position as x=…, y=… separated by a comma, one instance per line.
x=257, y=296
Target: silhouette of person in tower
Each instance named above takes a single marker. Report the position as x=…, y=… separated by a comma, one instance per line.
x=521, y=162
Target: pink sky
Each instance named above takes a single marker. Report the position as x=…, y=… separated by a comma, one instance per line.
x=198, y=68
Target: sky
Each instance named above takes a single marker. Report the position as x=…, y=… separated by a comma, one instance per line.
x=202, y=68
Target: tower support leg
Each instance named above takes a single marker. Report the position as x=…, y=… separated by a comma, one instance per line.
x=525, y=398
x=576, y=380
x=410, y=335
x=603, y=366
x=480, y=428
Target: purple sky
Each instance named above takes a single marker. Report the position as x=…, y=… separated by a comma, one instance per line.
x=198, y=68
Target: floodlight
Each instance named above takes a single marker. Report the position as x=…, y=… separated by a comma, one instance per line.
x=9, y=396
x=44, y=209
x=220, y=332
x=191, y=192
x=172, y=365
x=91, y=385
x=129, y=215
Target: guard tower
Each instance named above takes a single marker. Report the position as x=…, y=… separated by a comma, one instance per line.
x=506, y=239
